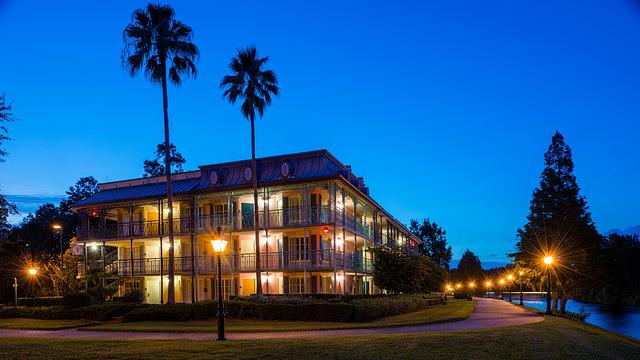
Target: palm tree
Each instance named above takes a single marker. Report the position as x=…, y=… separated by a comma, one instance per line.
x=158, y=43
x=254, y=86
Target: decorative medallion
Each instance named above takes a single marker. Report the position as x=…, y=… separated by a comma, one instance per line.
x=214, y=178
x=284, y=169
x=247, y=174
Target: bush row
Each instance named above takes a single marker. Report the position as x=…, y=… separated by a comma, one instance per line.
x=40, y=301
x=350, y=309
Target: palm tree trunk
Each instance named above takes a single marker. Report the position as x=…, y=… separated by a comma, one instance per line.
x=254, y=177
x=167, y=160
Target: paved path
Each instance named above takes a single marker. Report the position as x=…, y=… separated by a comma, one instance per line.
x=489, y=313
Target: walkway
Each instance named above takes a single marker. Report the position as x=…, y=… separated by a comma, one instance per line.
x=489, y=313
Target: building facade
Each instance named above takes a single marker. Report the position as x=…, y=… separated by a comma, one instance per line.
x=317, y=224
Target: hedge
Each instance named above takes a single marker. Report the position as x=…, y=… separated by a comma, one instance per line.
x=40, y=301
x=295, y=308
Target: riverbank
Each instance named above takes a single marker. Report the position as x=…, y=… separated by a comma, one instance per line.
x=553, y=338
x=626, y=322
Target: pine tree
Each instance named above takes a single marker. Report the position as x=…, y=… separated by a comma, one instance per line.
x=559, y=224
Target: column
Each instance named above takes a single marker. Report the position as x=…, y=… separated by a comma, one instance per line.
x=333, y=254
x=192, y=231
x=160, y=227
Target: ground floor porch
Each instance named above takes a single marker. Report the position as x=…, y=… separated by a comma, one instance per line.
x=205, y=287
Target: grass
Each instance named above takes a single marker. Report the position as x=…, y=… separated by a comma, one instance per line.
x=37, y=324
x=453, y=311
x=553, y=338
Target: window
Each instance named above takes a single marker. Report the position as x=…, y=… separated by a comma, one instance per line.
x=296, y=285
x=295, y=207
x=325, y=285
x=296, y=248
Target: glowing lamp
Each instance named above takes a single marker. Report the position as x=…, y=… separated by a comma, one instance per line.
x=510, y=277
x=32, y=271
x=487, y=284
x=501, y=281
x=325, y=229
x=56, y=227
x=548, y=260
x=219, y=245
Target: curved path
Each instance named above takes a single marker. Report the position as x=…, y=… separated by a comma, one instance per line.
x=488, y=313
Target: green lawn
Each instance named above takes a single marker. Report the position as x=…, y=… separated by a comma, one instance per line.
x=37, y=324
x=554, y=338
x=453, y=311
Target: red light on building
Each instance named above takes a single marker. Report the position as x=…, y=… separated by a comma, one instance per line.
x=325, y=230
x=93, y=212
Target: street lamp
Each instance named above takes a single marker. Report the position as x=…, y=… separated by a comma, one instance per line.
x=548, y=261
x=501, y=288
x=32, y=272
x=219, y=245
x=520, y=273
x=510, y=278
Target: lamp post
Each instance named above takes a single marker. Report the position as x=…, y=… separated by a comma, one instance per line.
x=15, y=289
x=501, y=288
x=510, y=279
x=487, y=284
x=219, y=245
x=548, y=261
x=520, y=273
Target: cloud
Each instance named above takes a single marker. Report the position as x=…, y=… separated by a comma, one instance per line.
x=30, y=203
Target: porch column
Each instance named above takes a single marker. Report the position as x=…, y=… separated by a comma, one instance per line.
x=192, y=229
x=344, y=243
x=131, y=242
x=86, y=281
x=305, y=211
x=333, y=255
x=355, y=263
x=160, y=227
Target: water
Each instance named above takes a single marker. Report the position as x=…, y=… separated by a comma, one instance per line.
x=626, y=321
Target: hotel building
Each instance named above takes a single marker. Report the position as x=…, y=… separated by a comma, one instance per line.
x=317, y=224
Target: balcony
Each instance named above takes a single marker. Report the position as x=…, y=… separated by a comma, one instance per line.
x=293, y=217
x=281, y=261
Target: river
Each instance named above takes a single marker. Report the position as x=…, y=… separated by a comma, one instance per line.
x=626, y=321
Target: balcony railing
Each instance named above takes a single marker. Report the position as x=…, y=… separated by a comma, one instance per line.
x=320, y=260
x=278, y=218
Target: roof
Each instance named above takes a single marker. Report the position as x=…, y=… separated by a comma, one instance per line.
x=146, y=191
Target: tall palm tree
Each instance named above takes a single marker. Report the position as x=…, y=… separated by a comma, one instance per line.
x=158, y=43
x=254, y=87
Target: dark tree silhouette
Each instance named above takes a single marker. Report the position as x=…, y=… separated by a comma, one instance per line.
x=469, y=268
x=254, y=86
x=82, y=189
x=157, y=166
x=559, y=224
x=434, y=241
x=161, y=46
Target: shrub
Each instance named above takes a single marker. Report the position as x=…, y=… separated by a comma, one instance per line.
x=168, y=312
x=132, y=297
x=99, y=312
x=76, y=300
x=47, y=313
x=40, y=301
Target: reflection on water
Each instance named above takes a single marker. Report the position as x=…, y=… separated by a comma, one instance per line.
x=625, y=321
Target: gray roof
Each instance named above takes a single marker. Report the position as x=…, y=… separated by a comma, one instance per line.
x=138, y=192
x=306, y=166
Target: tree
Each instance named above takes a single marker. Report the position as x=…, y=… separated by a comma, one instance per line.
x=559, y=224
x=6, y=115
x=254, y=86
x=434, y=241
x=469, y=268
x=6, y=208
x=157, y=166
x=397, y=272
x=157, y=42
x=83, y=188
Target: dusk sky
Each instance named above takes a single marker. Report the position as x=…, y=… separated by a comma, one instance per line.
x=445, y=109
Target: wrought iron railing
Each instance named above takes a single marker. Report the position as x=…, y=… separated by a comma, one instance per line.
x=313, y=260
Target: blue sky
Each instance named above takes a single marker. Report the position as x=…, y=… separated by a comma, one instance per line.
x=444, y=108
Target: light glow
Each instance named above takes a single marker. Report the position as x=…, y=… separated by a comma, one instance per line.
x=510, y=277
x=548, y=260
x=32, y=271
x=501, y=281
x=487, y=284
x=219, y=245
x=57, y=226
